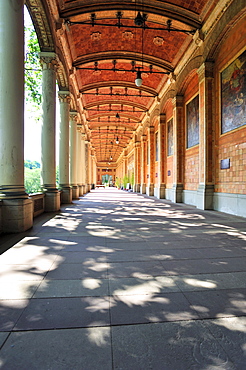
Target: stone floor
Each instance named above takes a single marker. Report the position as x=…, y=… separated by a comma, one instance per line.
x=119, y=280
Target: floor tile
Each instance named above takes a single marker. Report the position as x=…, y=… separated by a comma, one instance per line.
x=77, y=271
x=77, y=349
x=10, y=311
x=18, y=289
x=201, y=282
x=145, y=308
x=3, y=337
x=143, y=285
x=218, y=303
x=136, y=269
x=202, y=266
x=72, y=288
x=231, y=334
x=183, y=346
x=57, y=313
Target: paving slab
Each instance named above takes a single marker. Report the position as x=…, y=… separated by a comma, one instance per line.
x=181, y=345
x=231, y=334
x=18, y=289
x=226, y=280
x=136, y=269
x=142, y=285
x=218, y=303
x=145, y=308
x=77, y=349
x=53, y=313
x=77, y=271
x=11, y=310
x=3, y=337
x=72, y=288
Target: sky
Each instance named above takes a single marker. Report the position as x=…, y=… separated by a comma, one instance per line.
x=32, y=131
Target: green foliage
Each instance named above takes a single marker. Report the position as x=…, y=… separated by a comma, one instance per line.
x=33, y=73
x=32, y=180
x=31, y=164
x=125, y=181
x=57, y=177
x=118, y=182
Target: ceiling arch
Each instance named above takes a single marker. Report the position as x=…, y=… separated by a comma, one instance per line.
x=104, y=45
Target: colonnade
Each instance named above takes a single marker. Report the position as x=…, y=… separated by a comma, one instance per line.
x=154, y=174
x=16, y=206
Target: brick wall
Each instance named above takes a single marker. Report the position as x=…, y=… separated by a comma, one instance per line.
x=191, y=160
x=191, y=175
x=231, y=145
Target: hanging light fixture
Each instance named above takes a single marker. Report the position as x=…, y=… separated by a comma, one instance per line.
x=138, y=81
x=117, y=140
x=139, y=20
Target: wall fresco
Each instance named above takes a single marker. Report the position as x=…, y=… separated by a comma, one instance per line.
x=233, y=94
x=192, y=119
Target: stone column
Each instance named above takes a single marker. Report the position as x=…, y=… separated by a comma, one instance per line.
x=66, y=195
x=143, y=165
x=150, y=187
x=178, y=149
x=136, y=187
x=73, y=155
x=162, y=156
x=79, y=163
x=206, y=112
x=17, y=209
x=86, y=167
x=83, y=162
x=48, y=138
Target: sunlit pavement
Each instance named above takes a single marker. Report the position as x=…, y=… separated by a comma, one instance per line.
x=118, y=280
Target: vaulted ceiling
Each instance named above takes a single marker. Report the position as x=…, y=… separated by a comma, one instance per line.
x=104, y=44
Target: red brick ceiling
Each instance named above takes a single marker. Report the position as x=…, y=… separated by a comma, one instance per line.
x=105, y=91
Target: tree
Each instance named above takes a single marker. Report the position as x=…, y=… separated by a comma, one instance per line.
x=33, y=73
x=32, y=180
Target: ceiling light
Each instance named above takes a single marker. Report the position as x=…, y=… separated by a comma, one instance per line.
x=117, y=140
x=138, y=80
x=139, y=20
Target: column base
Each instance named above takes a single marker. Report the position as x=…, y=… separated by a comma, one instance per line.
x=143, y=188
x=177, y=193
x=150, y=190
x=204, y=196
x=160, y=191
x=80, y=190
x=75, y=192
x=17, y=215
x=52, y=201
x=66, y=195
x=136, y=188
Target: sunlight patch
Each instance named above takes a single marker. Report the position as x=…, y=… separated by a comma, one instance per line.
x=200, y=283
x=98, y=336
x=91, y=283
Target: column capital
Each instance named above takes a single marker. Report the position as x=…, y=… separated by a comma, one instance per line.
x=206, y=70
x=73, y=116
x=48, y=60
x=151, y=129
x=64, y=96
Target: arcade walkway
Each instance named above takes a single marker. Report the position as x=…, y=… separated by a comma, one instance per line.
x=122, y=281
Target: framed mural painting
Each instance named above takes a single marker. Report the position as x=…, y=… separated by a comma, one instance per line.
x=170, y=137
x=192, y=122
x=233, y=95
